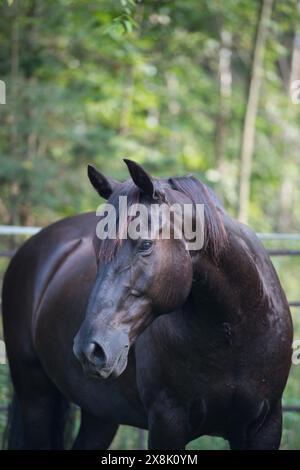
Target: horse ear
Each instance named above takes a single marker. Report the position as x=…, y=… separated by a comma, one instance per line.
x=140, y=177
x=103, y=185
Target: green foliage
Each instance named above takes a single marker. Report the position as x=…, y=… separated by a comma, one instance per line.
x=99, y=81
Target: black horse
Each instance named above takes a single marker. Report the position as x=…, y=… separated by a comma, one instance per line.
x=183, y=343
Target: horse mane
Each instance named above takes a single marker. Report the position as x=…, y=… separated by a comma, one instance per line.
x=215, y=236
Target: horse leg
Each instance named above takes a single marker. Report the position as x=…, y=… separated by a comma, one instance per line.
x=168, y=424
x=95, y=433
x=38, y=411
x=267, y=437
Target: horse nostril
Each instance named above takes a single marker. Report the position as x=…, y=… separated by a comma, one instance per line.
x=96, y=354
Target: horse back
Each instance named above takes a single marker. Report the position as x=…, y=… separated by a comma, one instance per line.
x=31, y=271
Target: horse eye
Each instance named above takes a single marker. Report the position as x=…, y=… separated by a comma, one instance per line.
x=145, y=245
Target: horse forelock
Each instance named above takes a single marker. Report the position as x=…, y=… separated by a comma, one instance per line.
x=109, y=247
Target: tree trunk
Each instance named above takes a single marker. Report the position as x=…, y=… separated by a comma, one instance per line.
x=14, y=137
x=125, y=111
x=225, y=80
x=295, y=68
x=248, y=138
x=285, y=216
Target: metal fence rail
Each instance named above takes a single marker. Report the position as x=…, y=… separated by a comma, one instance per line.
x=15, y=230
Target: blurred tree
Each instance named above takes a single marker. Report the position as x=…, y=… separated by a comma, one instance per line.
x=251, y=110
x=164, y=83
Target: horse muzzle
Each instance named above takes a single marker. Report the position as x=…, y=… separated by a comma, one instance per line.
x=101, y=357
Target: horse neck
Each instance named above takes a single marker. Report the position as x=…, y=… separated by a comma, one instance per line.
x=229, y=288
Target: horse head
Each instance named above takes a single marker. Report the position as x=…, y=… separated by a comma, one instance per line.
x=138, y=278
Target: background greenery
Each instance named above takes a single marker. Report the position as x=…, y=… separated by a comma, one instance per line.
x=97, y=81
